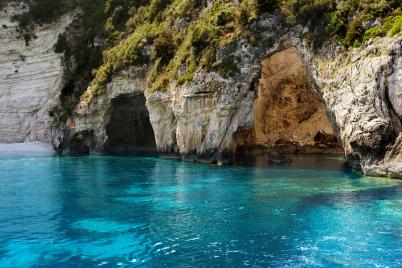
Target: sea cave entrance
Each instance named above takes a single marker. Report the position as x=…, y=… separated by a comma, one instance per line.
x=289, y=117
x=129, y=129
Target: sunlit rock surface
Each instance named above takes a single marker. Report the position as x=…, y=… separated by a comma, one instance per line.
x=289, y=117
x=361, y=89
x=30, y=79
x=356, y=89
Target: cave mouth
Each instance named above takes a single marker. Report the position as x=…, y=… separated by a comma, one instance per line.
x=289, y=117
x=129, y=129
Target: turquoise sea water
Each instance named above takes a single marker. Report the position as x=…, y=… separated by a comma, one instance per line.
x=111, y=211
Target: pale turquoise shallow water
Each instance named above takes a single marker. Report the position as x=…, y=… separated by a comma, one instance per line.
x=110, y=211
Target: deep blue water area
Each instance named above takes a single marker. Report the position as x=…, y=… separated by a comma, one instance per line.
x=128, y=211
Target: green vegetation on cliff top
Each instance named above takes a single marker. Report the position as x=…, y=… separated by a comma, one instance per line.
x=176, y=37
x=185, y=35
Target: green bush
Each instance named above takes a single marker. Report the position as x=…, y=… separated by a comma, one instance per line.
x=306, y=10
x=392, y=25
x=43, y=11
x=224, y=18
x=372, y=33
x=396, y=25
x=62, y=44
x=227, y=67
x=164, y=47
x=354, y=33
x=186, y=8
x=155, y=8
x=264, y=6
x=341, y=20
x=203, y=36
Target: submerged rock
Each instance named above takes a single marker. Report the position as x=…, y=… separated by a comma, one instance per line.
x=278, y=159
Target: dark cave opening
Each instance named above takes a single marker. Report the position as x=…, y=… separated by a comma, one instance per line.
x=129, y=129
x=81, y=142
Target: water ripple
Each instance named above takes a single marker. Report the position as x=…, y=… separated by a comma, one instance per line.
x=103, y=211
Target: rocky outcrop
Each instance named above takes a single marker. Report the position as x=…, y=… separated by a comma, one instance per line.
x=91, y=128
x=200, y=119
x=352, y=94
x=289, y=117
x=30, y=79
x=362, y=89
x=281, y=95
x=357, y=86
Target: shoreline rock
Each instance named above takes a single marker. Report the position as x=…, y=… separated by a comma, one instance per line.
x=360, y=90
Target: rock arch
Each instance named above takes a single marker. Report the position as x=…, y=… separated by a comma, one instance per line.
x=288, y=115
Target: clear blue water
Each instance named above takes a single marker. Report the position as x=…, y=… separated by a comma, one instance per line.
x=110, y=211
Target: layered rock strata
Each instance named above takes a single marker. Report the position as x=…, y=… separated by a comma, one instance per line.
x=30, y=79
x=361, y=89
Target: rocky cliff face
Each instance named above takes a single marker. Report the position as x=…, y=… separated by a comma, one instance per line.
x=99, y=122
x=355, y=95
x=283, y=96
x=362, y=92
x=30, y=79
x=289, y=117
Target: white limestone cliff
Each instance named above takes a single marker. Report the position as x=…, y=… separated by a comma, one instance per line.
x=30, y=79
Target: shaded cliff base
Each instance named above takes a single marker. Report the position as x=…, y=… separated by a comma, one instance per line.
x=289, y=118
x=337, y=100
x=125, y=128
x=298, y=161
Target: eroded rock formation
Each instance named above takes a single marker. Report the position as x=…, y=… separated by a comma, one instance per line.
x=30, y=79
x=360, y=89
x=274, y=98
x=342, y=93
x=289, y=117
x=114, y=122
x=129, y=128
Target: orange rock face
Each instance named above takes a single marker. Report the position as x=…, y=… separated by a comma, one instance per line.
x=288, y=115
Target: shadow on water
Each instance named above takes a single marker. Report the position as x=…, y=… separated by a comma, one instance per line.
x=294, y=161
